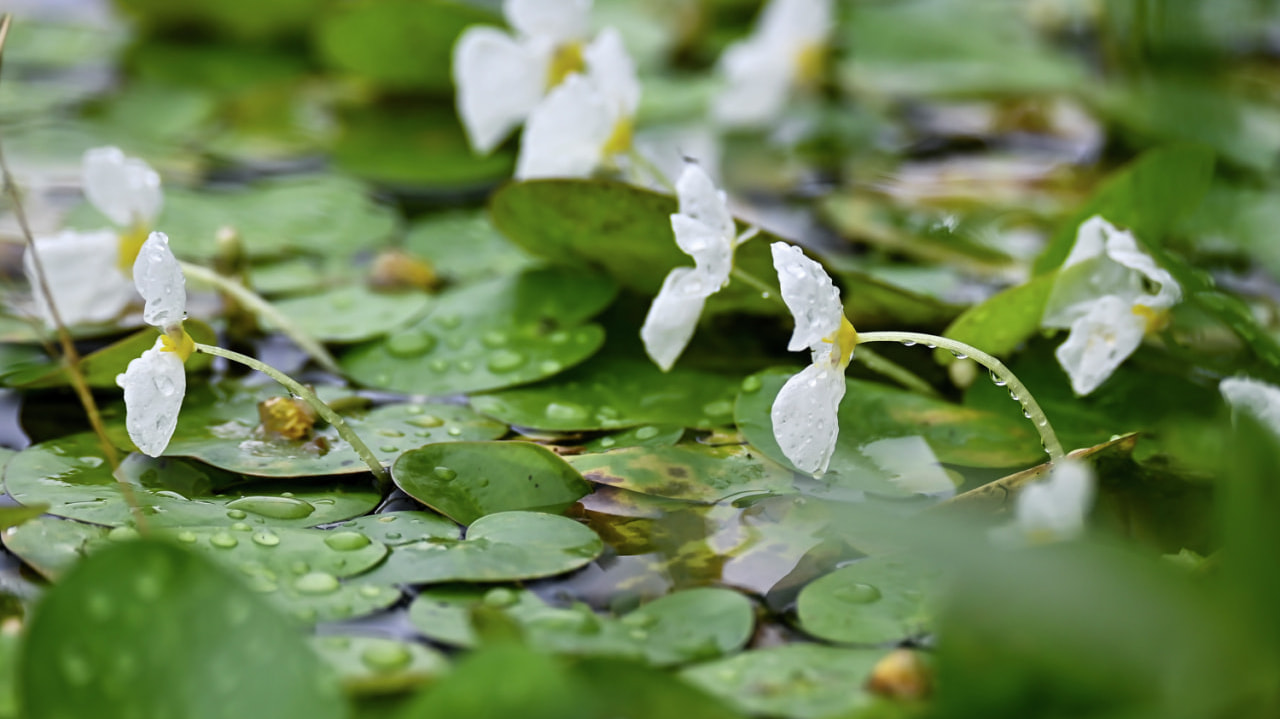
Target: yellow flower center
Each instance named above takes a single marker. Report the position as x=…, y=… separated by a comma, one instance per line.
x=176, y=340
x=620, y=141
x=1156, y=319
x=844, y=339
x=131, y=242
x=811, y=62
x=286, y=418
x=566, y=60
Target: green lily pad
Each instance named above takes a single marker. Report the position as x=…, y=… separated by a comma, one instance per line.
x=72, y=478
x=489, y=335
x=396, y=528
x=51, y=545
x=101, y=366
x=612, y=393
x=268, y=552
x=872, y=412
x=872, y=601
x=675, y=629
x=121, y=614
x=273, y=217
x=468, y=480
x=503, y=547
x=692, y=472
x=797, y=681
x=465, y=246
x=223, y=431
x=376, y=665
x=13, y=516
x=353, y=313
x=649, y=435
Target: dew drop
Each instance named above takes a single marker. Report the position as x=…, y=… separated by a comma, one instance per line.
x=386, y=656
x=566, y=411
x=500, y=598
x=299, y=567
x=752, y=384
x=466, y=366
x=223, y=540
x=446, y=474
x=505, y=361
x=426, y=420
x=347, y=541
x=494, y=339
x=549, y=366
x=908, y=343
x=718, y=409
x=449, y=321
x=647, y=432
x=410, y=343
x=186, y=536
x=370, y=591
x=122, y=534
x=959, y=355
x=454, y=432
x=388, y=432
x=857, y=594
x=607, y=442
x=236, y=514
x=995, y=379
x=266, y=539
x=389, y=448
x=931, y=345
x=316, y=583
x=273, y=507
x=437, y=365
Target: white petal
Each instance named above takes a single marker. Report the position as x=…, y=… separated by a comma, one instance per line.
x=1091, y=240
x=611, y=69
x=804, y=417
x=558, y=20
x=1055, y=507
x=1123, y=249
x=159, y=279
x=702, y=201
x=910, y=464
x=566, y=133
x=154, y=385
x=500, y=80
x=801, y=22
x=125, y=189
x=810, y=295
x=84, y=277
x=673, y=316
x=757, y=85
x=1259, y=398
x=1099, y=342
x=711, y=251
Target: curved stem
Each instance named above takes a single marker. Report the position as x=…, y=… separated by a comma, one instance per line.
x=264, y=310
x=766, y=291
x=998, y=370
x=333, y=418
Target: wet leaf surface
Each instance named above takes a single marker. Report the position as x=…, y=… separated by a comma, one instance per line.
x=353, y=313
x=692, y=472
x=872, y=601
x=378, y=665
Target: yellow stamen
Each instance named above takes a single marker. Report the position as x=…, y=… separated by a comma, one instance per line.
x=286, y=418
x=131, y=242
x=844, y=339
x=566, y=60
x=620, y=141
x=1156, y=319
x=811, y=64
x=176, y=340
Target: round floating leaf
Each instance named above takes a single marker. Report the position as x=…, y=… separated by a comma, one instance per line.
x=267, y=553
x=224, y=432
x=692, y=472
x=119, y=617
x=681, y=627
x=493, y=334
x=70, y=476
x=612, y=393
x=872, y=412
x=467, y=480
x=797, y=681
x=503, y=547
x=395, y=528
x=101, y=366
x=375, y=665
x=465, y=246
x=875, y=600
x=353, y=313
x=50, y=545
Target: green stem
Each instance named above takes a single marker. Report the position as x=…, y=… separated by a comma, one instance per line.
x=324, y=410
x=999, y=372
x=266, y=311
x=872, y=360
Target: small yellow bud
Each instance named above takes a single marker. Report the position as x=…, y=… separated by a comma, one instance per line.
x=902, y=674
x=286, y=418
x=395, y=270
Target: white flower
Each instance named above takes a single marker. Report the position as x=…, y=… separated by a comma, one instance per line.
x=88, y=271
x=501, y=78
x=785, y=51
x=1259, y=398
x=1110, y=293
x=804, y=412
x=1053, y=509
x=704, y=230
x=155, y=383
x=586, y=121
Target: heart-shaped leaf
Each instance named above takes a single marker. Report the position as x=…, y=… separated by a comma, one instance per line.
x=872, y=601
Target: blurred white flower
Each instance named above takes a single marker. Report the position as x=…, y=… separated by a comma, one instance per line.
x=1259, y=398
x=1110, y=294
x=500, y=77
x=155, y=383
x=804, y=412
x=88, y=272
x=704, y=230
x=586, y=122
x=786, y=51
x=1053, y=509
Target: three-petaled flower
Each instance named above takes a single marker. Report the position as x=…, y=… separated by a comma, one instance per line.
x=501, y=78
x=1260, y=399
x=704, y=230
x=155, y=383
x=785, y=51
x=586, y=122
x=1110, y=294
x=1053, y=509
x=88, y=272
x=804, y=413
